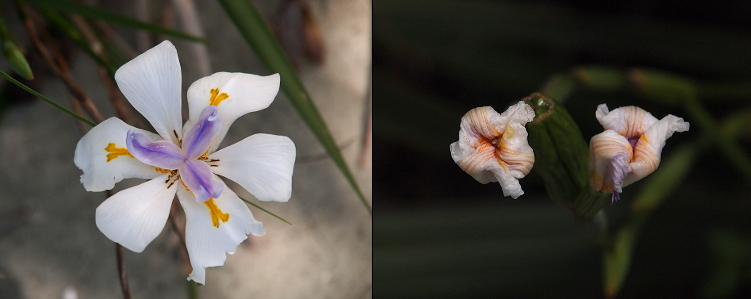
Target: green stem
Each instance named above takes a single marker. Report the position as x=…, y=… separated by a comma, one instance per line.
x=51, y=102
x=262, y=209
x=731, y=149
x=192, y=290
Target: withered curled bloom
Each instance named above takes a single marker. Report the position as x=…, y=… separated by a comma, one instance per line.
x=493, y=147
x=630, y=147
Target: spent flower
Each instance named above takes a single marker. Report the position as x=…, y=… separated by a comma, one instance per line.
x=493, y=147
x=630, y=147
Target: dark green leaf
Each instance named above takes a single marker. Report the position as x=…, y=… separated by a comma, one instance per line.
x=103, y=15
x=259, y=37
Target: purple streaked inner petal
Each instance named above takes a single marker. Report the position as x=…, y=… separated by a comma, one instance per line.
x=619, y=168
x=198, y=138
x=633, y=141
x=163, y=154
x=200, y=180
x=616, y=197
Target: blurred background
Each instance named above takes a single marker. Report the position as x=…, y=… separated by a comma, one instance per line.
x=50, y=246
x=439, y=233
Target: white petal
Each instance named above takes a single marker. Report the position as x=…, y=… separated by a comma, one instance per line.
x=261, y=163
x=152, y=83
x=519, y=113
x=246, y=93
x=629, y=121
x=207, y=244
x=648, y=149
x=509, y=184
x=135, y=216
x=91, y=156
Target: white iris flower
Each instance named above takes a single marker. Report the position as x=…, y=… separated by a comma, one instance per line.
x=184, y=160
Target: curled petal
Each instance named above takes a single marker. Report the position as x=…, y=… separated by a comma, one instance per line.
x=163, y=154
x=516, y=159
x=135, y=216
x=208, y=244
x=494, y=147
x=235, y=94
x=152, y=82
x=515, y=152
x=261, y=163
x=629, y=121
x=103, y=156
x=480, y=163
x=609, y=156
x=648, y=149
x=201, y=134
x=198, y=178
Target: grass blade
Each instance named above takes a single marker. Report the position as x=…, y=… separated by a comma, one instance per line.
x=267, y=212
x=103, y=15
x=51, y=102
x=259, y=37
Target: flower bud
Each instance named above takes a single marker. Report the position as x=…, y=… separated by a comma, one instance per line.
x=561, y=154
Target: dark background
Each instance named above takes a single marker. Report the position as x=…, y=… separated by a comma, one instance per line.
x=439, y=233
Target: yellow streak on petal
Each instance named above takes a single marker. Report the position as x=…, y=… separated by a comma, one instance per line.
x=115, y=152
x=512, y=159
x=216, y=213
x=216, y=97
x=162, y=170
x=596, y=181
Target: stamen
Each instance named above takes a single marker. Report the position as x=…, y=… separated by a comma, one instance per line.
x=217, y=97
x=115, y=152
x=180, y=142
x=173, y=174
x=216, y=213
x=162, y=170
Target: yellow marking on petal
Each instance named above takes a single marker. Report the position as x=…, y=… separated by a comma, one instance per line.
x=597, y=181
x=216, y=97
x=162, y=170
x=216, y=213
x=644, y=139
x=508, y=133
x=115, y=152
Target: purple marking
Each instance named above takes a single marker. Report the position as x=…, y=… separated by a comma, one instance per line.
x=200, y=180
x=633, y=141
x=198, y=138
x=616, y=197
x=163, y=154
x=620, y=169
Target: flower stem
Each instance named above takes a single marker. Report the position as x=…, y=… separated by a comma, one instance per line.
x=121, y=270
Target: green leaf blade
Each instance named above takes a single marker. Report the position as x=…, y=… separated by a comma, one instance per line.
x=113, y=18
x=256, y=32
